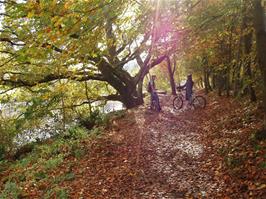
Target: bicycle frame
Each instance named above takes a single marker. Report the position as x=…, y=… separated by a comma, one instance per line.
x=181, y=96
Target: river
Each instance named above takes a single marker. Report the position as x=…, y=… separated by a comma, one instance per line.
x=50, y=126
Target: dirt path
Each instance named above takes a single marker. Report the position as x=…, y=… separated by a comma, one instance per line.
x=165, y=156
x=149, y=155
x=173, y=155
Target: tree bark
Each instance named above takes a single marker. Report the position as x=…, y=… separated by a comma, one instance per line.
x=247, y=69
x=221, y=81
x=204, y=64
x=206, y=75
x=236, y=79
x=259, y=26
x=171, y=76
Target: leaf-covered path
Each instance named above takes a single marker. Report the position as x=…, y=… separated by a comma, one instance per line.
x=150, y=155
x=173, y=157
x=168, y=155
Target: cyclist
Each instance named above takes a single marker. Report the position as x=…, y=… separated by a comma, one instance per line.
x=189, y=87
x=153, y=94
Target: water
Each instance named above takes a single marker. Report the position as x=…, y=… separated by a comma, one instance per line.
x=50, y=126
x=112, y=106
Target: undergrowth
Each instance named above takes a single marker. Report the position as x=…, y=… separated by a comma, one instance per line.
x=36, y=169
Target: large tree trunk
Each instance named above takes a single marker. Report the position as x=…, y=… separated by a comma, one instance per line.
x=123, y=83
x=132, y=100
x=130, y=89
x=259, y=25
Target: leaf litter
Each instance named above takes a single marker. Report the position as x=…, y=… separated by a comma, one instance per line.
x=206, y=153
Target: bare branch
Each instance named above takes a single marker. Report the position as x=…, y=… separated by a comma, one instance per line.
x=10, y=41
x=7, y=61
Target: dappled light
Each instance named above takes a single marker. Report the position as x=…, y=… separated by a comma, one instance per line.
x=133, y=99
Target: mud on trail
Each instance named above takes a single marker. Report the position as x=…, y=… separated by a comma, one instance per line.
x=167, y=155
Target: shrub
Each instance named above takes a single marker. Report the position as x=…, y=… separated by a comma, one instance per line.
x=11, y=190
x=79, y=153
x=2, y=151
x=7, y=134
x=76, y=132
x=53, y=162
x=40, y=175
x=96, y=131
x=260, y=135
x=96, y=119
x=23, y=151
x=57, y=192
x=4, y=164
x=48, y=150
x=263, y=165
x=89, y=121
x=65, y=177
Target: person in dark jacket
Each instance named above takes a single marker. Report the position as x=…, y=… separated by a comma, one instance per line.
x=151, y=84
x=188, y=86
x=153, y=94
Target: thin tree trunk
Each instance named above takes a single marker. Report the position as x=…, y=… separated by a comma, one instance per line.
x=205, y=81
x=220, y=83
x=236, y=78
x=63, y=105
x=227, y=82
x=213, y=81
x=238, y=65
x=206, y=74
x=228, y=70
x=208, y=80
x=171, y=76
x=248, y=72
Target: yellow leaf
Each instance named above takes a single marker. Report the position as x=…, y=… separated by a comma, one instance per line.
x=30, y=14
x=53, y=37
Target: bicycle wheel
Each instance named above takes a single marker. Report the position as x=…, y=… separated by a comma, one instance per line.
x=178, y=103
x=199, y=102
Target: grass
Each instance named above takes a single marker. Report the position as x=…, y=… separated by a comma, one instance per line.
x=11, y=190
x=64, y=177
x=53, y=162
x=56, y=192
x=39, y=166
x=263, y=165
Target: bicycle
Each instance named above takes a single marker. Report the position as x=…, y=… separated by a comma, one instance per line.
x=198, y=101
